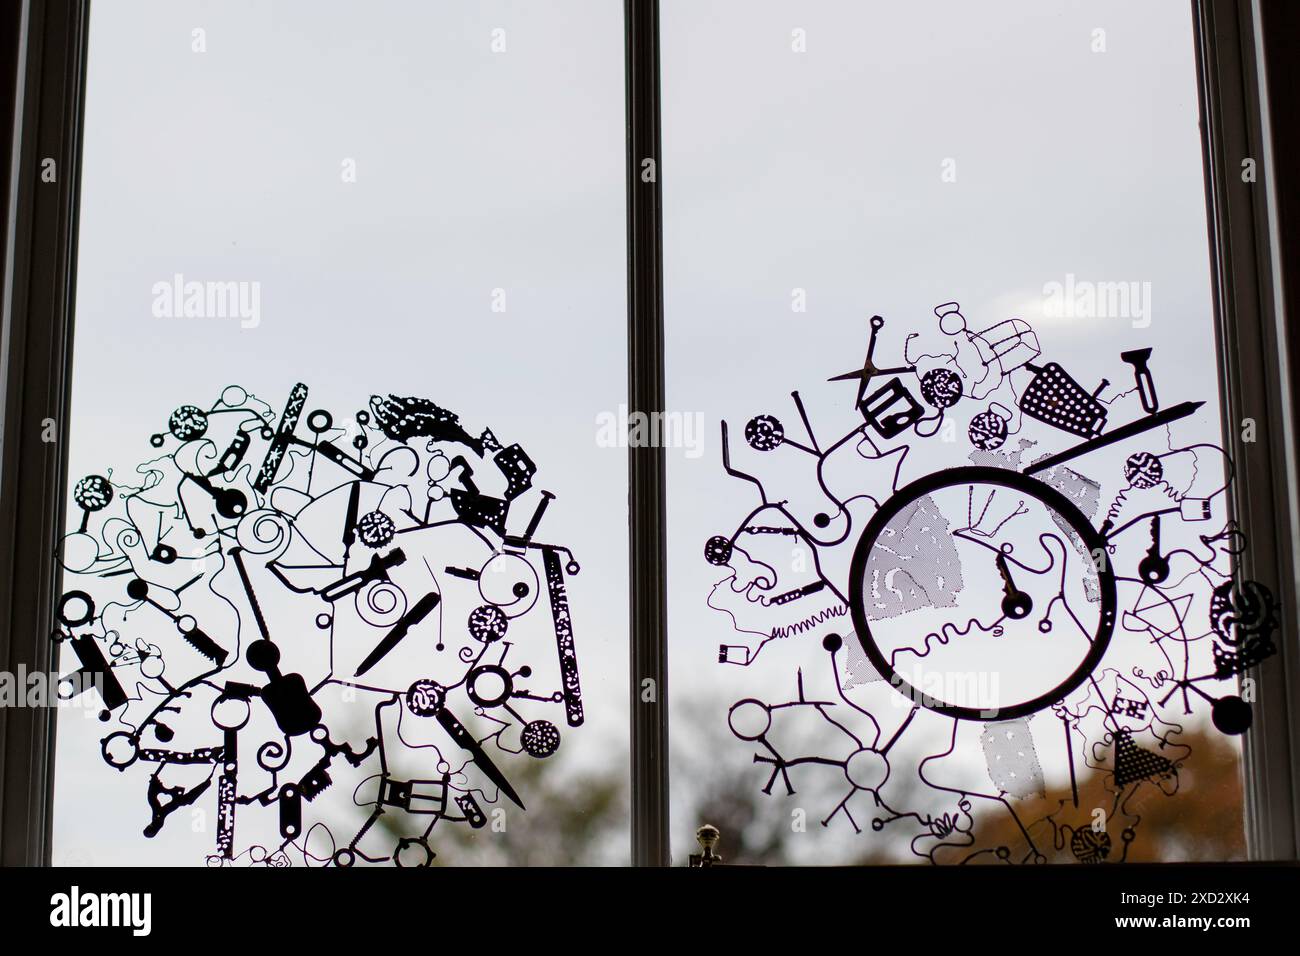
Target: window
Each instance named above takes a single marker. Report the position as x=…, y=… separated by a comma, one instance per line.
x=338, y=525
x=356, y=519
x=1024, y=263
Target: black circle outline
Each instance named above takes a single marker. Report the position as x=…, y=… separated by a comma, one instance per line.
x=68, y=598
x=1014, y=481
x=405, y=843
x=507, y=685
x=135, y=749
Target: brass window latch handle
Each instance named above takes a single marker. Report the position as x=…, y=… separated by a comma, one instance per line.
x=708, y=837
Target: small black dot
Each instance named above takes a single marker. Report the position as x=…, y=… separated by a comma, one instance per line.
x=1231, y=715
x=263, y=656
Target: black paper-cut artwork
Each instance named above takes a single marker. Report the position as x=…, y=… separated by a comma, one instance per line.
x=1078, y=533
x=278, y=605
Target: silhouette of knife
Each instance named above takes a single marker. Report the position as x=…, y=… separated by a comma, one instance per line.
x=465, y=740
x=411, y=618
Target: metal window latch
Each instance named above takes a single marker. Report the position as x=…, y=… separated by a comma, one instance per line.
x=708, y=837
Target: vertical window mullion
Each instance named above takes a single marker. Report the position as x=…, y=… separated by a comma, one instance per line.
x=36, y=350
x=1254, y=379
x=646, y=474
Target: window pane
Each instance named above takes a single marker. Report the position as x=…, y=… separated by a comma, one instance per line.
x=337, y=264
x=901, y=628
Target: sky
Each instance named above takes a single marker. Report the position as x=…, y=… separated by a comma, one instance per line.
x=390, y=175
